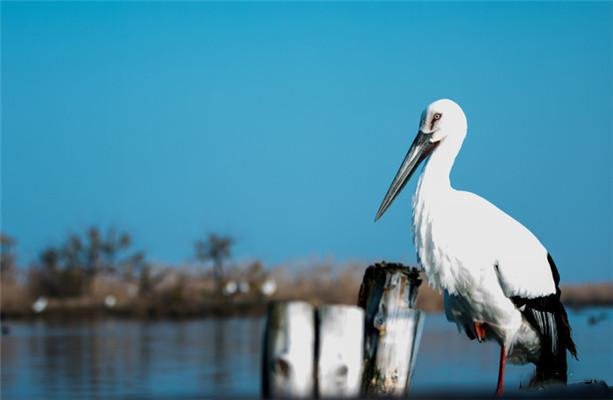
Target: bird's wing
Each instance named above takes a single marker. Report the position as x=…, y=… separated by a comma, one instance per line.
x=519, y=257
x=529, y=277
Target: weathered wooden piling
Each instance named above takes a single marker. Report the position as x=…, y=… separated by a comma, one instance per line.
x=340, y=349
x=346, y=351
x=288, y=354
x=392, y=329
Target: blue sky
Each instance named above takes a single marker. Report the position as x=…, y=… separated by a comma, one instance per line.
x=282, y=124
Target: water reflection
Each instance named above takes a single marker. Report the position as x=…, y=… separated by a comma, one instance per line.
x=126, y=358
x=101, y=358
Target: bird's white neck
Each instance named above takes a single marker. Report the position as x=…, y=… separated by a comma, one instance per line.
x=430, y=203
x=435, y=177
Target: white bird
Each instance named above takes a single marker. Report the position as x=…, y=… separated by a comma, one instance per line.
x=499, y=281
x=110, y=301
x=230, y=288
x=40, y=305
x=268, y=287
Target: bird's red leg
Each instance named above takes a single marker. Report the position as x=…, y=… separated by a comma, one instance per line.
x=500, y=385
x=479, y=331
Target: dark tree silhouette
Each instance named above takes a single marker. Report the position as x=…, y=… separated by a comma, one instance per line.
x=217, y=249
x=67, y=269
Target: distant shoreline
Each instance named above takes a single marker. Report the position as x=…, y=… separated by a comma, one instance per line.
x=576, y=297
x=96, y=273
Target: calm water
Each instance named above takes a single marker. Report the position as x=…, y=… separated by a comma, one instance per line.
x=124, y=358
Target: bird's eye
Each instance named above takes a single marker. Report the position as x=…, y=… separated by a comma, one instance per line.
x=437, y=116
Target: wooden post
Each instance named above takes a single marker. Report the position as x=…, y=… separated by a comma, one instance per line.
x=339, y=358
x=288, y=352
x=392, y=328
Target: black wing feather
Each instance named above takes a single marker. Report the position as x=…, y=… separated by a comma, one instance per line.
x=548, y=317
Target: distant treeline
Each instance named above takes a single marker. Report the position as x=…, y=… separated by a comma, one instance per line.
x=97, y=272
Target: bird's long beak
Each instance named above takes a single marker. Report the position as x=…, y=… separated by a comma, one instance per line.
x=420, y=149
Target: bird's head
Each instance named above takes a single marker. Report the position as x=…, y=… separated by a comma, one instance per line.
x=442, y=121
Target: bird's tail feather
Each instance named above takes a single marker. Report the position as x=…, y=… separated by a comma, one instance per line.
x=552, y=366
x=548, y=317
